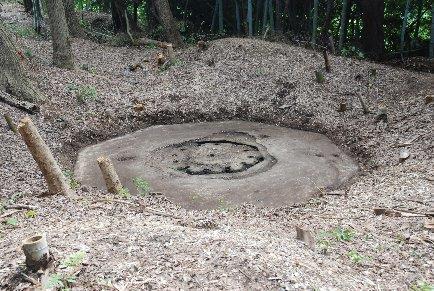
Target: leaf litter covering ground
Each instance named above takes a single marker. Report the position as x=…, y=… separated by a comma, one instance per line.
x=247, y=247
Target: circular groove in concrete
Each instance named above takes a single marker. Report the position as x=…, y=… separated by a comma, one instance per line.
x=205, y=165
x=225, y=155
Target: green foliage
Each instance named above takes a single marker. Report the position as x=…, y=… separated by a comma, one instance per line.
x=88, y=68
x=15, y=197
x=83, y=93
x=73, y=183
x=223, y=205
x=142, y=186
x=28, y=53
x=30, y=214
x=353, y=51
x=325, y=239
x=319, y=77
x=12, y=221
x=125, y=193
x=22, y=31
x=58, y=281
x=421, y=286
x=73, y=260
x=259, y=72
x=54, y=281
x=355, y=257
x=344, y=235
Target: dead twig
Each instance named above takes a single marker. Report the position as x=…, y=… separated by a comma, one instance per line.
x=29, y=279
x=21, y=207
x=9, y=213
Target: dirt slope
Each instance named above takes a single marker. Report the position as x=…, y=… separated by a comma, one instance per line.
x=245, y=248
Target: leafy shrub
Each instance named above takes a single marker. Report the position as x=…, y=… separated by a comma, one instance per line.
x=142, y=186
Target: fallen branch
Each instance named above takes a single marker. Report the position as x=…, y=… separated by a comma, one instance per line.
x=20, y=104
x=148, y=41
x=9, y=213
x=21, y=207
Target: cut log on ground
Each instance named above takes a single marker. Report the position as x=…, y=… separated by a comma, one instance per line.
x=56, y=181
x=109, y=174
x=170, y=53
x=147, y=41
x=327, y=61
x=20, y=104
x=36, y=250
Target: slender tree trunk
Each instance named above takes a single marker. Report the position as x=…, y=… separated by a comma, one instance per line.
x=343, y=26
x=431, y=45
x=250, y=16
x=278, y=6
x=404, y=27
x=271, y=14
x=72, y=19
x=238, y=17
x=221, y=28
x=373, y=32
x=12, y=77
x=37, y=16
x=214, y=15
x=314, y=22
x=418, y=18
x=327, y=22
x=62, y=52
x=168, y=22
x=265, y=17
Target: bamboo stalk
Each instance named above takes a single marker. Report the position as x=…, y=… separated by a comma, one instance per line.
x=109, y=174
x=41, y=153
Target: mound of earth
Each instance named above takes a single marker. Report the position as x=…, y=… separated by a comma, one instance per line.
x=245, y=247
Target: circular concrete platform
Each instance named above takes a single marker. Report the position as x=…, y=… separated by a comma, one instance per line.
x=222, y=164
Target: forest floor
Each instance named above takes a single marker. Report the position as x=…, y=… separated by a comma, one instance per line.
x=118, y=246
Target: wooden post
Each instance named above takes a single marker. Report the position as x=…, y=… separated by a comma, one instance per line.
x=109, y=174
x=170, y=53
x=56, y=181
x=327, y=61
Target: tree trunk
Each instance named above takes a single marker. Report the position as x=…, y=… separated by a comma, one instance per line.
x=168, y=22
x=431, y=45
x=28, y=6
x=314, y=22
x=37, y=16
x=221, y=27
x=250, y=17
x=74, y=26
x=343, y=26
x=118, y=15
x=373, y=32
x=278, y=23
x=327, y=22
x=418, y=19
x=404, y=27
x=62, y=53
x=238, y=17
x=12, y=77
